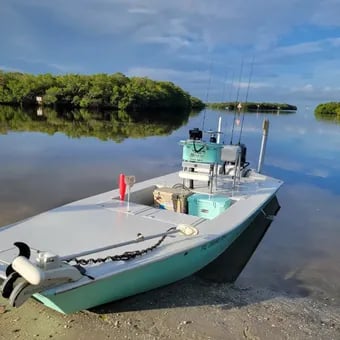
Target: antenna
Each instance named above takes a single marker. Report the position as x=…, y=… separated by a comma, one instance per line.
x=246, y=99
x=237, y=96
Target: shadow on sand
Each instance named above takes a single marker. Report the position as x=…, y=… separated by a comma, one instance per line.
x=194, y=291
x=212, y=286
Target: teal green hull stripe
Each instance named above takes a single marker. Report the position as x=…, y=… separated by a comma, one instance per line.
x=139, y=279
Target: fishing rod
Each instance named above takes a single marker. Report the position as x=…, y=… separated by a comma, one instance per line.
x=237, y=97
x=246, y=99
x=207, y=96
x=224, y=90
x=230, y=92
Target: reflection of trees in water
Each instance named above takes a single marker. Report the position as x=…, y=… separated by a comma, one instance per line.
x=195, y=113
x=329, y=112
x=263, y=112
x=253, y=107
x=328, y=118
x=105, y=125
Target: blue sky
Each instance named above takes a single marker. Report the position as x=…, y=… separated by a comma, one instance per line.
x=198, y=44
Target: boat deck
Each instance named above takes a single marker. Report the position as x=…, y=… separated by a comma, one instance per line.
x=103, y=219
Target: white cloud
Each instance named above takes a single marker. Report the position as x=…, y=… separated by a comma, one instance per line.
x=9, y=68
x=323, y=173
x=141, y=10
x=251, y=85
x=259, y=23
x=16, y=30
x=170, y=74
x=290, y=165
x=335, y=42
x=55, y=66
x=172, y=41
x=305, y=88
x=176, y=23
x=326, y=13
x=301, y=48
x=315, y=94
x=167, y=37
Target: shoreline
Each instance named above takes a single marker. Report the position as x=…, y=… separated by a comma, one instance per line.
x=189, y=309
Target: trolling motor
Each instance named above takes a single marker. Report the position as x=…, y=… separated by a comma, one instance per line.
x=25, y=277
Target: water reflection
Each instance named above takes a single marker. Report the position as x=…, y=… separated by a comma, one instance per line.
x=299, y=254
x=108, y=125
x=276, y=112
x=328, y=118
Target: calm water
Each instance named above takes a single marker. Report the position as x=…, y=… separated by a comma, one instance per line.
x=300, y=253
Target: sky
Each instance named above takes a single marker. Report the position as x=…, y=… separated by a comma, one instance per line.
x=217, y=50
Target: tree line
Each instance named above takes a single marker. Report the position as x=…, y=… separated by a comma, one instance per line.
x=97, y=91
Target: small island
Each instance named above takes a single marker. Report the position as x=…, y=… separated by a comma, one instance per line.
x=328, y=111
x=253, y=106
x=98, y=91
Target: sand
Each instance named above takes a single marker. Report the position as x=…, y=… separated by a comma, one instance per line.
x=189, y=309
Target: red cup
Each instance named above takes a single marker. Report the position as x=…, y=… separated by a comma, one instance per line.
x=122, y=187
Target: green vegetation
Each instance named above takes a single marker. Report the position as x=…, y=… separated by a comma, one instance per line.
x=99, y=91
x=76, y=123
x=253, y=107
x=328, y=111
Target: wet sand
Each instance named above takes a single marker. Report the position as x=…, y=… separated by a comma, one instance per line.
x=189, y=309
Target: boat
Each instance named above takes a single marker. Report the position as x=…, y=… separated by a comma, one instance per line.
x=205, y=219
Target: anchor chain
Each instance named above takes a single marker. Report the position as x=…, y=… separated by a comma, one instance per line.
x=128, y=255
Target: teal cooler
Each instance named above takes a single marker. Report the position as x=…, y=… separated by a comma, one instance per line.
x=207, y=206
x=199, y=151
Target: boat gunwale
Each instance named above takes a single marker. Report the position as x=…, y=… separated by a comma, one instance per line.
x=153, y=259
x=147, y=260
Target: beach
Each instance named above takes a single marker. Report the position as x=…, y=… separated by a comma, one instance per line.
x=189, y=309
